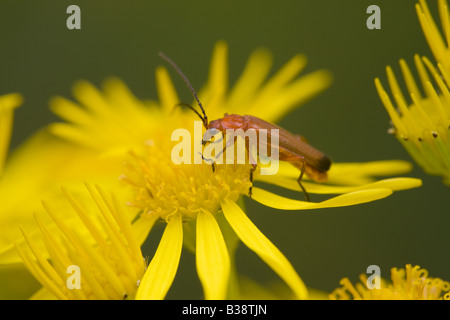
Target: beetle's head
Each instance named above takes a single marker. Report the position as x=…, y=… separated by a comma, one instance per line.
x=216, y=124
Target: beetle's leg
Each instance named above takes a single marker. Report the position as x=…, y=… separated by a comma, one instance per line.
x=212, y=162
x=221, y=152
x=254, y=164
x=299, y=180
x=251, y=180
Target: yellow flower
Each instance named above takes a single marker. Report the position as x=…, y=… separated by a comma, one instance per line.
x=411, y=283
x=100, y=259
x=422, y=122
x=438, y=45
x=114, y=135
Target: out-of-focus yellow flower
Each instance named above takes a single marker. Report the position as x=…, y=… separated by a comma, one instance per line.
x=101, y=259
x=421, y=119
x=411, y=283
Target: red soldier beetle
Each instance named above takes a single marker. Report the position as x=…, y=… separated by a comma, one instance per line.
x=292, y=148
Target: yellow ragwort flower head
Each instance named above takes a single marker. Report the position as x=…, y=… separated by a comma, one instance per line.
x=102, y=253
x=422, y=122
x=411, y=283
x=120, y=136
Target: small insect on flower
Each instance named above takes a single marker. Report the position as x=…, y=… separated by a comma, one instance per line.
x=290, y=147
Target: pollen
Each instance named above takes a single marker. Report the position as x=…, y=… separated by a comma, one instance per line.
x=163, y=188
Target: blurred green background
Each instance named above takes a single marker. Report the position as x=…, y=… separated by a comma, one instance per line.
x=40, y=58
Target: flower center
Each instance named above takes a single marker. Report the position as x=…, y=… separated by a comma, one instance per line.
x=410, y=283
x=163, y=188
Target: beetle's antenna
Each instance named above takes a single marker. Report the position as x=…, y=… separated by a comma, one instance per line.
x=185, y=79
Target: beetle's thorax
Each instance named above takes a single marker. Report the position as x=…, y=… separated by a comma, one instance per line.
x=231, y=121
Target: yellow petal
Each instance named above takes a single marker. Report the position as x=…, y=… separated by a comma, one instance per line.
x=43, y=294
x=270, y=91
x=70, y=111
x=364, y=172
x=213, y=261
x=41, y=270
x=275, y=201
x=214, y=93
x=245, y=89
x=352, y=173
x=395, y=184
x=295, y=94
x=256, y=241
x=218, y=76
x=166, y=91
x=162, y=269
x=142, y=227
x=8, y=103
